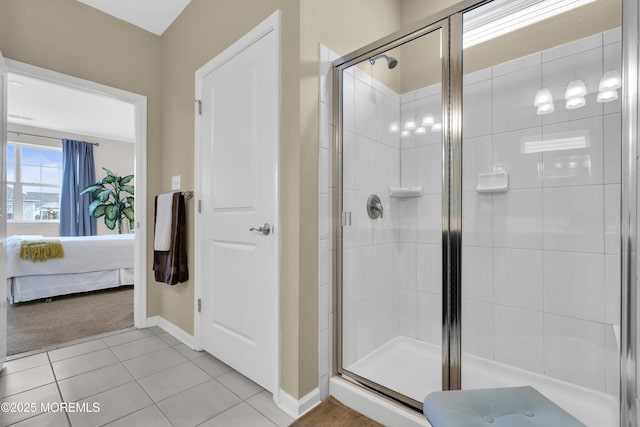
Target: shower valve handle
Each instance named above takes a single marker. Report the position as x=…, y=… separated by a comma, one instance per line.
x=374, y=207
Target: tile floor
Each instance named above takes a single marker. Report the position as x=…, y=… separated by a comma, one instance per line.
x=141, y=377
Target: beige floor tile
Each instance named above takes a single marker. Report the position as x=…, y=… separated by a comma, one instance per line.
x=128, y=337
x=48, y=419
x=211, y=365
x=75, y=350
x=139, y=347
x=90, y=383
x=47, y=394
x=150, y=416
x=25, y=380
x=173, y=380
x=115, y=403
x=241, y=415
x=151, y=363
x=239, y=384
x=24, y=363
x=198, y=404
x=187, y=352
x=263, y=403
x=169, y=339
x=83, y=363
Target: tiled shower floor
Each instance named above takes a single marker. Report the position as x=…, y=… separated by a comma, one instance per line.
x=141, y=377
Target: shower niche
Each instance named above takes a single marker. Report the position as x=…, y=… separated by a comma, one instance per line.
x=495, y=258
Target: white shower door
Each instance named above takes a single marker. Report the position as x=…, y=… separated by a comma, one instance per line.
x=236, y=247
x=392, y=198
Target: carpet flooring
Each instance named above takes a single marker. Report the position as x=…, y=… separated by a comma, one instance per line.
x=37, y=324
x=332, y=413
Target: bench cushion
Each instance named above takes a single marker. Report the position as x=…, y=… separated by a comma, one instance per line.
x=495, y=407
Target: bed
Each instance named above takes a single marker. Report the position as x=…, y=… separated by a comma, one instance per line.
x=89, y=263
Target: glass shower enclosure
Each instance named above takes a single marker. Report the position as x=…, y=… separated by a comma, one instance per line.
x=479, y=204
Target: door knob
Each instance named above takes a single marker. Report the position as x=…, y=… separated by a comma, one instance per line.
x=265, y=229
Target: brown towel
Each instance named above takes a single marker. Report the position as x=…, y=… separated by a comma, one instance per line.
x=170, y=266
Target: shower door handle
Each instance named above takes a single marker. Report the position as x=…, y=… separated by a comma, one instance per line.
x=265, y=229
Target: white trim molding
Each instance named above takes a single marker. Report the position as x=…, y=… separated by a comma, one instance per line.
x=173, y=330
x=139, y=103
x=297, y=408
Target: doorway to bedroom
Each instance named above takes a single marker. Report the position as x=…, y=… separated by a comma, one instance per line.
x=73, y=256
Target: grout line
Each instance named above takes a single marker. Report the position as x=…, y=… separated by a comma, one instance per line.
x=154, y=403
x=68, y=344
x=262, y=413
x=141, y=409
x=55, y=378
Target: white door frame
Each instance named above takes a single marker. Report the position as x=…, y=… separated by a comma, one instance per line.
x=3, y=208
x=272, y=23
x=140, y=170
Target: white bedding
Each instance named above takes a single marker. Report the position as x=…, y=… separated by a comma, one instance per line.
x=81, y=255
x=89, y=263
x=27, y=288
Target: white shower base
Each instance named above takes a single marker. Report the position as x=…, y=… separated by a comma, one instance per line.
x=413, y=368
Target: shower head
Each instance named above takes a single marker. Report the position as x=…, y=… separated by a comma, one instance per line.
x=391, y=61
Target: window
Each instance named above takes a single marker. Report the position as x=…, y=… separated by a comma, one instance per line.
x=34, y=177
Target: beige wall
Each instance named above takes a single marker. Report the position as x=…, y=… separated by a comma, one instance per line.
x=593, y=18
x=342, y=26
x=115, y=155
x=203, y=30
x=419, y=70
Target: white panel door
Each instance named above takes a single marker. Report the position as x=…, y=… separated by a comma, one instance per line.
x=237, y=266
x=3, y=207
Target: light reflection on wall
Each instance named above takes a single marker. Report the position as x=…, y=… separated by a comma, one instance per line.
x=566, y=163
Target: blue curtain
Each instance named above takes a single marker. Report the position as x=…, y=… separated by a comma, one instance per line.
x=78, y=171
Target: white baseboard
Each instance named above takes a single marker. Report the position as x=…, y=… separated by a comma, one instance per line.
x=173, y=330
x=152, y=321
x=296, y=408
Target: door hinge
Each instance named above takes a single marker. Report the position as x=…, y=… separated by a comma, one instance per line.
x=346, y=219
x=199, y=206
x=199, y=102
x=199, y=305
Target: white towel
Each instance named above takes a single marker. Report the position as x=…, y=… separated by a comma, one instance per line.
x=162, y=241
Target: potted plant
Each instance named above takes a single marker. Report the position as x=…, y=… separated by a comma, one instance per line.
x=112, y=198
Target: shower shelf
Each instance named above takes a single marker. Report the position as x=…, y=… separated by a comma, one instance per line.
x=493, y=182
x=404, y=192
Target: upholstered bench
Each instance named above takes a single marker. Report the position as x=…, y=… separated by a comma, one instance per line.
x=499, y=407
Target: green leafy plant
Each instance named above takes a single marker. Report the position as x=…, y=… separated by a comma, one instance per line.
x=112, y=198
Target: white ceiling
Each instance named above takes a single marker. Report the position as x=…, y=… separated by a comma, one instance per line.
x=38, y=103
x=152, y=15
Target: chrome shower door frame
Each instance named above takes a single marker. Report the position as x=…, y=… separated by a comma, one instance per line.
x=629, y=215
x=439, y=24
x=450, y=23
